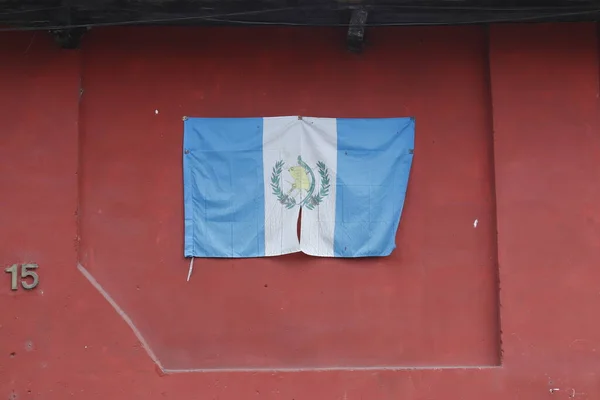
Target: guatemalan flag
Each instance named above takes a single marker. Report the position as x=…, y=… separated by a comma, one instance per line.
x=246, y=179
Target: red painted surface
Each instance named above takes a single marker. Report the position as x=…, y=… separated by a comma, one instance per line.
x=507, y=133
x=298, y=311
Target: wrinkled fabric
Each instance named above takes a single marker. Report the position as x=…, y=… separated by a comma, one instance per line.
x=246, y=179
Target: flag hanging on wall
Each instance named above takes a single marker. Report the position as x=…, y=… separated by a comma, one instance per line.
x=245, y=180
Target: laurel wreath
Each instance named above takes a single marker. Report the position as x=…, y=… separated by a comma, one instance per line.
x=316, y=199
x=312, y=200
x=283, y=198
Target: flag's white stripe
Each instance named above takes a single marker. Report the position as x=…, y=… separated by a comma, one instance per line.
x=281, y=141
x=319, y=143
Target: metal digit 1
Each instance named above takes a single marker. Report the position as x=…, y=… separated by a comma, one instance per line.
x=12, y=270
x=26, y=273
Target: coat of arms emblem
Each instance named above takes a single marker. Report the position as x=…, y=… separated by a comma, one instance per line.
x=299, y=186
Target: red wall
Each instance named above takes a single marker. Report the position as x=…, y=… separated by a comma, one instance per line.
x=90, y=171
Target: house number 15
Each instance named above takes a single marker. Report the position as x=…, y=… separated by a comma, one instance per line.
x=27, y=271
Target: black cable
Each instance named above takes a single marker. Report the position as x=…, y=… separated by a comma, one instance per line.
x=220, y=18
x=148, y=21
x=386, y=7
x=17, y=12
x=391, y=24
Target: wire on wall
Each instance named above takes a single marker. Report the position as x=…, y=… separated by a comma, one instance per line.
x=317, y=15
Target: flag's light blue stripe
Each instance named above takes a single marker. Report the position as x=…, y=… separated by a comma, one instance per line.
x=224, y=187
x=373, y=167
